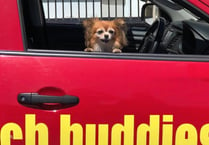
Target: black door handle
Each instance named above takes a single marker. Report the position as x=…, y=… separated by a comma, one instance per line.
x=34, y=100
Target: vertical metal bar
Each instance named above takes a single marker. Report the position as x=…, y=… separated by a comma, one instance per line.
x=55, y=2
x=79, y=15
x=123, y=8
x=138, y=8
x=93, y=9
x=108, y=9
x=63, y=9
x=48, y=8
x=116, y=10
x=101, y=8
x=86, y=8
x=130, y=8
x=71, y=9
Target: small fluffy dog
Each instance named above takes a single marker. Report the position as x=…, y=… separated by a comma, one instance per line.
x=105, y=36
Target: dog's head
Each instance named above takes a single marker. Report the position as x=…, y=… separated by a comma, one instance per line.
x=104, y=31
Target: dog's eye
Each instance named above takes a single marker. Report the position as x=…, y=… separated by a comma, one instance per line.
x=111, y=31
x=100, y=31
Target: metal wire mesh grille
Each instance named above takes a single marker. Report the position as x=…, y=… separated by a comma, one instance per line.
x=61, y=9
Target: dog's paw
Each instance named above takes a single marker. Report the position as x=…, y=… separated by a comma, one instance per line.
x=89, y=50
x=116, y=50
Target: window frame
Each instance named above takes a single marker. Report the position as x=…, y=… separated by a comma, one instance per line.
x=97, y=55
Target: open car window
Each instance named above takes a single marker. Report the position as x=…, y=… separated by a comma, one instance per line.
x=58, y=26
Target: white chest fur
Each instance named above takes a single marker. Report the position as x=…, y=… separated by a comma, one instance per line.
x=103, y=47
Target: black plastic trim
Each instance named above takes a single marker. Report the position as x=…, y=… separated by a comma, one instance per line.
x=22, y=25
x=45, y=102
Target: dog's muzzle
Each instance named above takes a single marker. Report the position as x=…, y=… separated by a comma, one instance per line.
x=105, y=40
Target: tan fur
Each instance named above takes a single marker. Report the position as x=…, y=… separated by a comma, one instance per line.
x=107, y=36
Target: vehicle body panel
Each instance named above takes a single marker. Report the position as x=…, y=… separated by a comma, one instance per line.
x=119, y=97
x=202, y=4
x=109, y=90
x=11, y=37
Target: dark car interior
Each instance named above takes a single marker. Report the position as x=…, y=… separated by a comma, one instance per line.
x=163, y=36
x=67, y=34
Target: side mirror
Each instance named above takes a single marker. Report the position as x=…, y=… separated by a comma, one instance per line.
x=149, y=13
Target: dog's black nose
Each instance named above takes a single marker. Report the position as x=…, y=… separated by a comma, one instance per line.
x=106, y=36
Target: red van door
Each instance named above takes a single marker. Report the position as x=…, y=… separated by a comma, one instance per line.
x=201, y=4
x=111, y=100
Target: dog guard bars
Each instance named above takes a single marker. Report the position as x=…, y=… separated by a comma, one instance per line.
x=81, y=9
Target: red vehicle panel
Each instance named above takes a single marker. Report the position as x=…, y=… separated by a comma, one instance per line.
x=142, y=97
x=63, y=97
x=11, y=37
x=202, y=4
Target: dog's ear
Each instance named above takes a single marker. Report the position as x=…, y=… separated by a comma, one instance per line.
x=89, y=22
x=121, y=24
